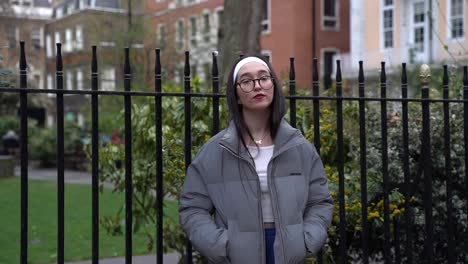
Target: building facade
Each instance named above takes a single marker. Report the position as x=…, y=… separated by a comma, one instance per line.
x=413, y=31
x=300, y=29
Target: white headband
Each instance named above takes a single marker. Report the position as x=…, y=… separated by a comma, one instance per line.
x=245, y=61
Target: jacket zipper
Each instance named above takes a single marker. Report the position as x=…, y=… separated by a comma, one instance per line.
x=259, y=204
x=272, y=192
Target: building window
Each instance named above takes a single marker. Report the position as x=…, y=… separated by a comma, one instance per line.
x=220, y=16
x=206, y=27
x=69, y=78
x=36, y=37
x=456, y=18
x=266, y=16
x=180, y=35
x=328, y=67
x=79, y=37
x=387, y=24
x=418, y=26
x=59, y=12
x=12, y=32
x=108, y=79
x=193, y=32
x=79, y=79
x=330, y=14
x=49, y=48
x=161, y=39
x=50, y=82
x=68, y=40
x=267, y=55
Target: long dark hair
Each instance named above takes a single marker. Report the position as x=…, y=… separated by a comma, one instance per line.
x=277, y=106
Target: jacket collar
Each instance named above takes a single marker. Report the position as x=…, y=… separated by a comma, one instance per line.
x=286, y=137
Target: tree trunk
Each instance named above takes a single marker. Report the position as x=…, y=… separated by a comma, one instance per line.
x=239, y=32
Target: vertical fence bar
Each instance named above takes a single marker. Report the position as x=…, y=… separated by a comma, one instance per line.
x=292, y=92
x=60, y=159
x=95, y=158
x=384, y=146
x=340, y=162
x=448, y=171
x=128, y=158
x=465, y=125
x=24, y=155
x=363, y=155
x=316, y=113
x=159, y=158
x=215, y=83
x=188, y=134
x=425, y=76
x=406, y=167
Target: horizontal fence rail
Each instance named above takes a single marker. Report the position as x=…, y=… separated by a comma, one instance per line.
x=399, y=234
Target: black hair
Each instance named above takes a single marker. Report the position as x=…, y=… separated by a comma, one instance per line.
x=277, y=106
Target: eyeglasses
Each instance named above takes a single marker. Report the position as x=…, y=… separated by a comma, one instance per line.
x=247, y=85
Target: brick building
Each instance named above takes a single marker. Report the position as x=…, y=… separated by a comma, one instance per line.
x=301, y=29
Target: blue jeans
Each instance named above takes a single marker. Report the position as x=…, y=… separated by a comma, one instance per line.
x=269, y=240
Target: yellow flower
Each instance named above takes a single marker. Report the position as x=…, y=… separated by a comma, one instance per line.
x=375, y=214
x=396, y=212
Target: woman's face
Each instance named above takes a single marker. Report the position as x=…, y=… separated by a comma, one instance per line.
x=254, y=87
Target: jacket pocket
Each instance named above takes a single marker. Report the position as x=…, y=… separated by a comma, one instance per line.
x=294, y=243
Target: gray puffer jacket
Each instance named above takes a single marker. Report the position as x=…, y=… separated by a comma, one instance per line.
x=220, y=205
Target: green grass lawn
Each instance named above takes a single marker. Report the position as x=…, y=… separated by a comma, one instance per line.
x=42, y=226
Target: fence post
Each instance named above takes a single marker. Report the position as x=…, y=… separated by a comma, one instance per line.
x=128, y=159
x=188, y=134
x=292, y=92
x=24, y=155
x=425, y=78
x=95, y=158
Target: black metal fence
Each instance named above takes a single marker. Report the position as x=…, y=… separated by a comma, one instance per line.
x=391, y=247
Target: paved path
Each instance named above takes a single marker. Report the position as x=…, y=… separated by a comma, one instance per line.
x=81, y=177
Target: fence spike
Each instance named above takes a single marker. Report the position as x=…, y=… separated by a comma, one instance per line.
x=445, y=80
x=59, y=65
x=383, y=76
x=465, y=76
x=157, y=66
x=23, y=64
x=214, y=69
x=338, y=70
x=404, y=78
x=361, y=72
x=241, y=55
x=127, y=68
x=315, y=70
x=187, y=64
x=94, y=60
x=292, y=71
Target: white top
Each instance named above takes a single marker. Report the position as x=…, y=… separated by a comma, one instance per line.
x=261, y=160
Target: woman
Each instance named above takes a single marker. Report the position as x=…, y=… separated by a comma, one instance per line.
x=257, y=191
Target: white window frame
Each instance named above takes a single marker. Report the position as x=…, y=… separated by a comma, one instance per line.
x=108, y=79
x=69, y=80
x=267, y=22
x=335, y=18
x=193, y=40
x=217, y=20
x=59, y=12
x=322, y=61
x=267, y=53
x=79, y=79
x=79, y=37
x=161, y=37
x=206, y=31
x=49, y=47
x=450, y=18
x=179, y=40
x=68, y=46
x=37, y=35
x=418, y=25
x=384, y=30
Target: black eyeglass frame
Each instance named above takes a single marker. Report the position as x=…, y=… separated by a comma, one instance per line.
x=253, y=81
